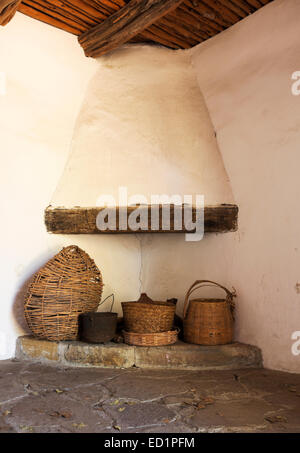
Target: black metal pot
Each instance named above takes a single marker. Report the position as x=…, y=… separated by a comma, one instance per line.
x=97, y=327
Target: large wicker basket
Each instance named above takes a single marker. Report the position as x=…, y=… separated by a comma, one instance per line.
x=69, y=284
x=208, y=321
x=148, y=316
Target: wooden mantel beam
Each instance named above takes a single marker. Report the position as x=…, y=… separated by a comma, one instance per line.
x=8, y=9
x=123, y=25
x=217, y=219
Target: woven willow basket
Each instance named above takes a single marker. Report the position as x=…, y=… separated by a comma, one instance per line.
x=148, y=316
x=151, y=339
x=208, y=321
x=69, y=284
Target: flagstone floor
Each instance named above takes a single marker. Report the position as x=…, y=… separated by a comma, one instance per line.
x=39, y=399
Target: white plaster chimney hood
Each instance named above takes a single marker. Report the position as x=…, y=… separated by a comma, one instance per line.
x=143, y=126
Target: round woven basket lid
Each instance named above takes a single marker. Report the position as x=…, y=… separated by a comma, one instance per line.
x=145, y=299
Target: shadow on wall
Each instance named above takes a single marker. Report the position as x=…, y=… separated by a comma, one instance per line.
x=18, y=306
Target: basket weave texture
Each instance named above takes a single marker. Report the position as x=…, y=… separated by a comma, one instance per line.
x=148, y=316
x=66, y=286
x=151, y=339
x=208, y=321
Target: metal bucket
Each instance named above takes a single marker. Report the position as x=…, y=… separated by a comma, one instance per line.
x=97, y=327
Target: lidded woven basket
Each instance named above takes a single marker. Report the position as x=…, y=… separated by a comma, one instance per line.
x=148, y=316
x=66, y=286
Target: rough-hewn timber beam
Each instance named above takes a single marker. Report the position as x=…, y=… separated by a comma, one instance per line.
x=217, y=219
x=8, y=9
x=123, y=25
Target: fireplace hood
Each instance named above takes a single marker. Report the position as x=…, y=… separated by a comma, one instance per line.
x=143, y=127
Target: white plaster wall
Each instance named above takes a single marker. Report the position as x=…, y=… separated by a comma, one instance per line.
x=245, y=76
x=143, y=125
x=46, y=77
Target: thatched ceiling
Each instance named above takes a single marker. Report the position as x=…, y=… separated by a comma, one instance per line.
x=172, y=23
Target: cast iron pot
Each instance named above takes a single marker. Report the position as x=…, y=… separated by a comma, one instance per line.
x=97, y=327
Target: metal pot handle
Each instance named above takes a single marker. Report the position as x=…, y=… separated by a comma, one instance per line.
x=199, y=284
x=113, y=300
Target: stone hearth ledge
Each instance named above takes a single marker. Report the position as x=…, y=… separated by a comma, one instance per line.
x=111, y=355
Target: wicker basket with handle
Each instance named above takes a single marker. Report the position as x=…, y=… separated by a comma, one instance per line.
x=208, y=321
x=148, y=316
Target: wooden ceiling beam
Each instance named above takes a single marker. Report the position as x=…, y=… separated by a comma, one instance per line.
x=123, y=25
x=217, y=219
x=8, y=9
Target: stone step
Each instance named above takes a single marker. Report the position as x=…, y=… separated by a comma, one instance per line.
x=111, y=355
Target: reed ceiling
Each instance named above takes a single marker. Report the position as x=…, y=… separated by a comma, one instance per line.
x=179, y=26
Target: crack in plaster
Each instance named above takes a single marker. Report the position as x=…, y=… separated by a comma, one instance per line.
x=139, y=239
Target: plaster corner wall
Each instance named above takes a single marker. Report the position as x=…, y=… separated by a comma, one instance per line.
x=245, y=76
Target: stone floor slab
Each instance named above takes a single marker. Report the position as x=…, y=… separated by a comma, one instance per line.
x=39, y=399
